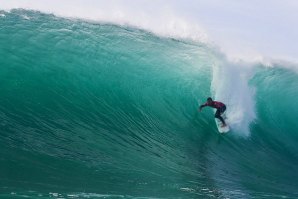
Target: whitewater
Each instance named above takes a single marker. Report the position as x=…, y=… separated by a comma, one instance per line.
x=108, y=108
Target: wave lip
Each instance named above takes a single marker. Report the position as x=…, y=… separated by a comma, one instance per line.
x=164, y=22
x=237, y=34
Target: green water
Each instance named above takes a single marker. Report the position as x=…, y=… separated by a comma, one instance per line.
x=92, y=110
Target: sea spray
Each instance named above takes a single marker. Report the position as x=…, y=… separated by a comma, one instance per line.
x=230, y=84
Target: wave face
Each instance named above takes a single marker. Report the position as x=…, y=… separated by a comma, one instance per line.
x=99, y=110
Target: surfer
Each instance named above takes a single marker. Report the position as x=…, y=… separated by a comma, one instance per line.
x=221, y=108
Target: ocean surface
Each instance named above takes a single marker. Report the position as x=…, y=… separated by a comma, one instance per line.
x=98, y=110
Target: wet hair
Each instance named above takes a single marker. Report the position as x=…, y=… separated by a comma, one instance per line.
x=209, y=98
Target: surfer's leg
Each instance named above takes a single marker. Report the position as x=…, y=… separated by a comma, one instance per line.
x=222, y=109
x=217, y=115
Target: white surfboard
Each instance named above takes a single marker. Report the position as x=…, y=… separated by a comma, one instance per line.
x=219, y=124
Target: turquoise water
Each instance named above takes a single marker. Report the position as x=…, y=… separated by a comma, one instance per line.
x=92, y=110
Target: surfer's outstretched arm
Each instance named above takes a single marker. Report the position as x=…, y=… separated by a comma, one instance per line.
x=202, y=106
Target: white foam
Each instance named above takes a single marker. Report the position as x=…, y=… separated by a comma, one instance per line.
x=230, y=85
x=25, y=17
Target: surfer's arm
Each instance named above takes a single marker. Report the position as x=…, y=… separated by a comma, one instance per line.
x=202, y=106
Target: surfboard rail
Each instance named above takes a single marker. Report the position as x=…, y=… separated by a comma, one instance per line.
x=219, y=124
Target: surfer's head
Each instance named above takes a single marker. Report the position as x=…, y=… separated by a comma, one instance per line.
x=209, y=99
